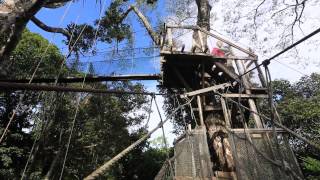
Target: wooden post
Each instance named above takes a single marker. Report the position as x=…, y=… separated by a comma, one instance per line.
x=200, y=111
x=251, y=102
x=260, y=74
x=200, y=40
x=164, y=37
x=170, y=41
x=225, y=112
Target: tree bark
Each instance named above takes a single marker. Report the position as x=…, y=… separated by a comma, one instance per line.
x=47, y=28
x=14, y=16
x=215, y=124
x=203, y=21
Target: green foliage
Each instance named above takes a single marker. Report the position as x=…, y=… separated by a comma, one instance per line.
x=112, y=25
x=31, y=49
x=312, y=166
x=14, y=150
x=86, y=34
x=299, y=108
x=101, y=129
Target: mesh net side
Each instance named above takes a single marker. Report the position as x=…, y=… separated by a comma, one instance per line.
x=250, y=164
x=193, y=158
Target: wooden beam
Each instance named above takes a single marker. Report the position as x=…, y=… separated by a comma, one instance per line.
x=33, y=87
x=208, y=108
x=229, y=43
x=226, y=114
x=88, y=79
x=205, y=90
x=227, y=71
x=252, y=104
x=257, y=130
x=200, y=111
x=215, y=36
x=181, y=78
x=245, y=95
x=170, y=40
x=193, y=53
x=249, y=64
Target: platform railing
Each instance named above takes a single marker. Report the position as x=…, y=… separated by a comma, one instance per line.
x=167, y=41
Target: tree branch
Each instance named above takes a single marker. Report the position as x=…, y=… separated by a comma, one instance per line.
x=146, y=24
x=154, y=36
x=55, y=3
x=49, y=28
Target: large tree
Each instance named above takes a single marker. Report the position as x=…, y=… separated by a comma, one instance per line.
x=18, y=139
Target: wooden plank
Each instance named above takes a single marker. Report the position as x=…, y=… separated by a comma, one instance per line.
x=233, y=95
x=231, y=74
x=226, y=114
x=205, y=90
x=34, y=87
x=207, y=108
x=229, y=43
x=225, y=175
x=170, y=41
x=257, y=130
x=252, y=104
x=200, y=111
x=191, y=53
x=249, y=64
x=88, y=79
x=215, y=36
x=178, y=74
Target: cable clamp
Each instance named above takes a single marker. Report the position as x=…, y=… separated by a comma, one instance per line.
x=266, y=62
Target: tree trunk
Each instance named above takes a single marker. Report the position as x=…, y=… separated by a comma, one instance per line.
x=14, y=16
x=53, y=164
x=215, y=124
x=203, y=21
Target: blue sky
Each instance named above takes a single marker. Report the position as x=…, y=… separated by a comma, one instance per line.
x=88, y=12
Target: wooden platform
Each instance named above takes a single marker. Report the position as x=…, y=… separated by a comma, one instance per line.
x=189, y=65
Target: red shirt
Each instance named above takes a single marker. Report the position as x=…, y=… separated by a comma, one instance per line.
x=217, y=52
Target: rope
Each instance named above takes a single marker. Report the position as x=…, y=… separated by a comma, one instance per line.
x=188, y=139
x=275, y=136
x=163, y=135
x=31, y=151
x=265, y=156
x=248, y=137
x=119, y=59
x=289, y=67
x=33, y=75
x=267, y=61
x=149, y=112
x=72, y=127
x=98, y=172
x=82, y=86
x=276, y=123
x=55, y=83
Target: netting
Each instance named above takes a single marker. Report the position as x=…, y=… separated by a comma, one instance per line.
x=192, y=156
x=132, y=61
x=250, y=164
x=192, y=161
